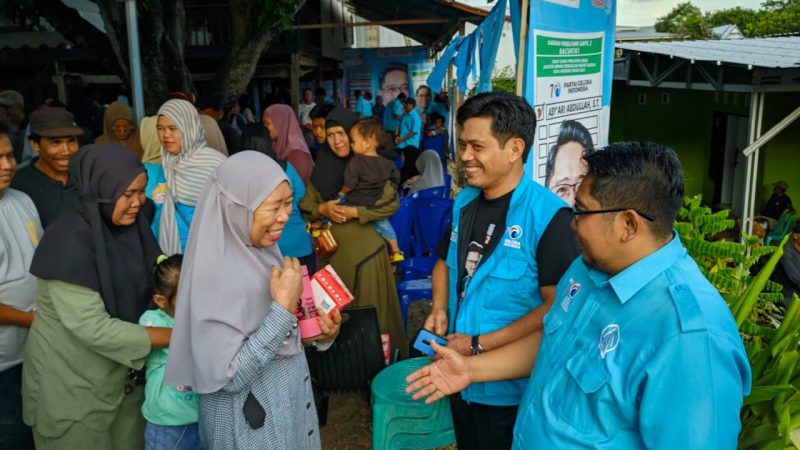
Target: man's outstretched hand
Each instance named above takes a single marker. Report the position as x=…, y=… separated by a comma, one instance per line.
x=446, y=376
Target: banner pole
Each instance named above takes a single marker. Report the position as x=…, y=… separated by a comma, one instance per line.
x=523, y=35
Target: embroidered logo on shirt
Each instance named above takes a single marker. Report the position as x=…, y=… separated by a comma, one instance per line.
x=573, y=291
x=159, y=194
x=514, y=233
x=609, y=340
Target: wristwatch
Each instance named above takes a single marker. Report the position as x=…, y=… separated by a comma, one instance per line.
x=476, y=348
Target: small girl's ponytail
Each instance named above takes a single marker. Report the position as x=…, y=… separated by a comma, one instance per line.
x=166, y=273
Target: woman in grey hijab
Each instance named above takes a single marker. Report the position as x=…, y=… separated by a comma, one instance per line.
x=236, y=340
x=431, y=172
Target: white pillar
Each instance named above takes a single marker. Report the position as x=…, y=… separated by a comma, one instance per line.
x=135, y=60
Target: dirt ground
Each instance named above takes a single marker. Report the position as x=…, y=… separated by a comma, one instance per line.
x=349, y=424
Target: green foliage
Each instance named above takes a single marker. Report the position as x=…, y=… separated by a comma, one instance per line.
x=505, y=81
x=738, y=16
x=685, y=20
x=772, y=410
x=774, y=17
x=278, y=15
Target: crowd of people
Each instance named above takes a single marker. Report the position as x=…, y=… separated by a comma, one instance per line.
x=151, y=277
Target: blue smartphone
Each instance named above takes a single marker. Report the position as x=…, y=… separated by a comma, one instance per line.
x=423, y=342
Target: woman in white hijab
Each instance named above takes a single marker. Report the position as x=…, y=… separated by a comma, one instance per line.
x=188, y=162
x=236, y=340
x=431, y=172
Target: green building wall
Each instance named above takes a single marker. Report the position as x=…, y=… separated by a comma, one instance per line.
x=684, y=122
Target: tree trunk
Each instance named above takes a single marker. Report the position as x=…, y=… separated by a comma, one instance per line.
x=164, y=70
x=251, y=35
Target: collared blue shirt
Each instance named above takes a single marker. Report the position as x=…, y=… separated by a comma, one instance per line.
x=364, y=107
x=394, y=108
x=411, y=122
x=650, y=358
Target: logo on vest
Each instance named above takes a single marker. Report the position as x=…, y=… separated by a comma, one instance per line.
x=609, y=340
x=573, y=291
x=514, y=233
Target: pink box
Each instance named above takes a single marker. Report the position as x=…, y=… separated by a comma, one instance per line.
x=306, y=311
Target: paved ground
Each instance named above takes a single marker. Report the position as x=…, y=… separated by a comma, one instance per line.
x=349, y=416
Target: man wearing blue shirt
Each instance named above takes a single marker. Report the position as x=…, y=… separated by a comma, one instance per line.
x=393, y=113
x=409, y=135
x=509, y=243
x=364, y=105
x=639, y=350
x=410, y=126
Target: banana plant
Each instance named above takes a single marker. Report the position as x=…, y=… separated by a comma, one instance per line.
x=771, y=413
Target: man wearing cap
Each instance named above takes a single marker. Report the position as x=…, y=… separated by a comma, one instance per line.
x=12, y=106
x=778, y=202
x=408, y=138
x=54, y=136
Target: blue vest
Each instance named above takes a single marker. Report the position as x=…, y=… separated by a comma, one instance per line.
x=505, y=286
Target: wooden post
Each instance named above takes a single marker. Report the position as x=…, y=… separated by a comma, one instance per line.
x=294, y=80
x=523, y=34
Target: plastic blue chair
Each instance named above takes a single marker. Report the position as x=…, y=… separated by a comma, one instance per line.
x=435, y=192
x=417, y=268
x=780, y=230
x=435, y=143
x=432, y=216
x=398, y=422
x=411, y=291
x=403, y=223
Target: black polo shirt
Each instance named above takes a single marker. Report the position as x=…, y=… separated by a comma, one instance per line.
x=48, y=195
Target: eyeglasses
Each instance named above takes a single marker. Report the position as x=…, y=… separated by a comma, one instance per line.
x=578, y=212
x=563, y=190
x=395, y=89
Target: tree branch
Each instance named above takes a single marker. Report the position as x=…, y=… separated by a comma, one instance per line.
x=81, y=33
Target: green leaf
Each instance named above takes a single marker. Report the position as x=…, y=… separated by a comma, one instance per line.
x=757, y=330
x=765, y=393
x=750, y=295
x=751, y=436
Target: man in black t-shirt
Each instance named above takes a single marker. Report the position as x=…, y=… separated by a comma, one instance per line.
x=510, y=242
x=54, y=136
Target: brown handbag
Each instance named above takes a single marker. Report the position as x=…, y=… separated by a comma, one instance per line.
x=324, y=243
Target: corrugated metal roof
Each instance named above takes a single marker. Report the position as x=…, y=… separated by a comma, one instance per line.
x=31, y=39
x=435, y=34
x=727, y=32
x=775, y=53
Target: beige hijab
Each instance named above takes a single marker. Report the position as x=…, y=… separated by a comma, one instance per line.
x=118, y=110
x=214, y=137
x=148, y=135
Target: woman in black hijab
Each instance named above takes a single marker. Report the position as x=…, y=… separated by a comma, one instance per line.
x=93, y=265
x=361, y=259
